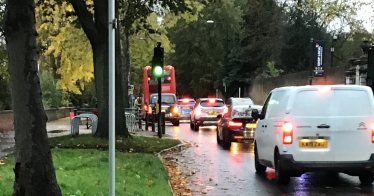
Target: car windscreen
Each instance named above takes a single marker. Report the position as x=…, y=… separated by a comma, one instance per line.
x=164, y=99
x=241, y=111
x=243, y=101
x=216, y=103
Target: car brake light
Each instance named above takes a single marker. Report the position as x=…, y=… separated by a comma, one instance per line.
x=233, y=124
x=372, y=132
x=287, y=133
x=149, y=110
x=149, y=78
x=324, y=88
x=212, y=100
x=186, y=100
x=145, y=107
x=176, y=109
x=169, y=78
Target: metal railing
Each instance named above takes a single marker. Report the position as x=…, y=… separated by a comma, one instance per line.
x=74, y=123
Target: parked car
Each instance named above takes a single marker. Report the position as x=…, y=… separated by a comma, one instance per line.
x=236, y=124
x=205, y=112
x=169, y=105
x=186, y=106
x=316, y=128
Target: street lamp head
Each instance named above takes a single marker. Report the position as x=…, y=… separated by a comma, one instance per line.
x=335, y=37
x=210, y=21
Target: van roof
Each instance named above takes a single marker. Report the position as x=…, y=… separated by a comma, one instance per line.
x=310, y=87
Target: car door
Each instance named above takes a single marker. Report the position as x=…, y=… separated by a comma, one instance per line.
x=260, y=134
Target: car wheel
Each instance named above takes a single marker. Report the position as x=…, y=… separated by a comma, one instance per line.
x=175, y=123
x=196, y=127
x=191, y=125
x=225, y=143
x=280, y=175
x=367, y=178
x=218, y=140
x=259, y=168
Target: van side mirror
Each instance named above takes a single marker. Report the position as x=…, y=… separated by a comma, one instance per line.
x=255, y=114
x=219, y=116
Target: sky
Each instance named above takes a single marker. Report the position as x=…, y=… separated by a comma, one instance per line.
x=367, y=15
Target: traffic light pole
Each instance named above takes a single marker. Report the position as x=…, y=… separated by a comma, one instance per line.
x=159, y=107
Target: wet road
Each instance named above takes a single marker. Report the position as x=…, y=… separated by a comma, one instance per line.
x=221, y=172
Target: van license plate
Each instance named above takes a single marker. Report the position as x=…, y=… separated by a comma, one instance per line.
x=213, y=113
x=313, y=144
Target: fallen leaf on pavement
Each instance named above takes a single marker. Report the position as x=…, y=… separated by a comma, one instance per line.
x=210, y=179
x=224, y=188
x=203, y=192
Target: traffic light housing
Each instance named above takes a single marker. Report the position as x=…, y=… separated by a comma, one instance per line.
x=158, y=61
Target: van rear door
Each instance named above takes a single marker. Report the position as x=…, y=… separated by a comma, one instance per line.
x=310, y=115
x=353, y=116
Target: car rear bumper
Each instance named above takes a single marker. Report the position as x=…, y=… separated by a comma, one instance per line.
x=207, y=121
x=350, y=167
x=239, y=136
x=168, y=117
x=184, y=116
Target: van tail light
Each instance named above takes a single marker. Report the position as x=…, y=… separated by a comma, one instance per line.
x=145, y=107
x=287, y=133
x=149, y=110
x=233, y=124
x=372, y=132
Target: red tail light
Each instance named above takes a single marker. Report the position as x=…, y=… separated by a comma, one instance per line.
x=372, y=132
x=212, y=100
x=233, y=124
x=287, y=133
x=169, y=78
x=145, y=107
x=186, y=100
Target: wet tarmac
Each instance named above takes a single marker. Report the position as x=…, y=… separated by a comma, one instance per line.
x=216, y=171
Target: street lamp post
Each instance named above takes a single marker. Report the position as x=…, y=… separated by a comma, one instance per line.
x=334, y=38
x=226, y=43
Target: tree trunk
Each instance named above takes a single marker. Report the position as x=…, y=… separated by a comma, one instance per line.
x=97, y=33
x=34, y=170
x=125, y=55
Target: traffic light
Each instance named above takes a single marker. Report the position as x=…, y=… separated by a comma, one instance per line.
x=158, y=61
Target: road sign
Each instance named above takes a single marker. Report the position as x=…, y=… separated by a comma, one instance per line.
x=319, y=47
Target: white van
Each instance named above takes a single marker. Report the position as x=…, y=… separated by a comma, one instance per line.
x=316, y=128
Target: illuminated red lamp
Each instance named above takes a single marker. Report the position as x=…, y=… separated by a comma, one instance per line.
x=212, y=100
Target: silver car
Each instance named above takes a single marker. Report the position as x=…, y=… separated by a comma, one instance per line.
x=205, y=111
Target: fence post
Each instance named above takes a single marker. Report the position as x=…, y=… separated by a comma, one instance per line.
x=163, y=122
x=153, y=120
x=140, y=118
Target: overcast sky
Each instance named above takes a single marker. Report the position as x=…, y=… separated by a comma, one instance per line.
x=367, y=14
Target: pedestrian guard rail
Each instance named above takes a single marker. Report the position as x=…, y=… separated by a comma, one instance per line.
x=74, y=123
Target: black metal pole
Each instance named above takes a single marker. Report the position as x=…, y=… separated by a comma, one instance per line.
x=159, y=108
x=153, y=120
x=140, y=118
x=163, y=122
x=311, y=50
x=332, y=54
x=146, y=120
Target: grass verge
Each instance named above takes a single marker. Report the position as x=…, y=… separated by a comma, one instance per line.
x=85, y=172
x=136, y=144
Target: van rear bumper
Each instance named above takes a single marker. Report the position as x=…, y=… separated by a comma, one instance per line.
x=289, y=164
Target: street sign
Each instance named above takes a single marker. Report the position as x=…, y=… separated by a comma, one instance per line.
x=319, y=47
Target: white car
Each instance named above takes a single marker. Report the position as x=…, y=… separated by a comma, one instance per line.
x=316, y=128
x=205, y=112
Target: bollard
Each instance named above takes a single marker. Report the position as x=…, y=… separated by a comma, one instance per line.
x=153, y=120
x=146, y=120
x=140, y=118
x=163, y=122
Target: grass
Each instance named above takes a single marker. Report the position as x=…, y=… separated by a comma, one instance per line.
x=85, y=172
x=136, y=144
x=82, y=163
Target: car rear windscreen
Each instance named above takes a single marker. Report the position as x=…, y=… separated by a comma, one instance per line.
x=216, y=103
x=164, y=99
x=337, y=102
